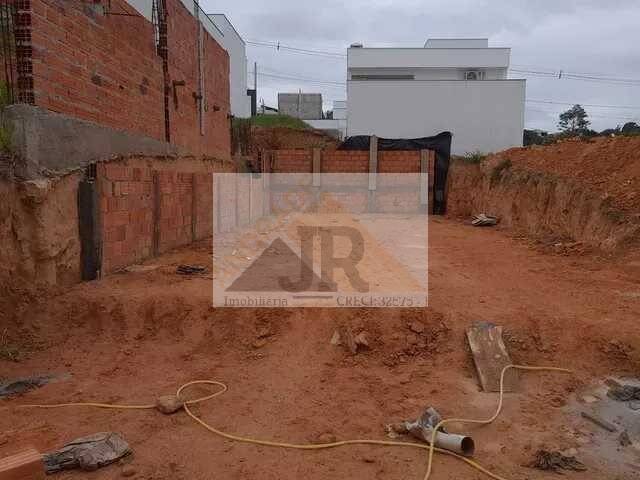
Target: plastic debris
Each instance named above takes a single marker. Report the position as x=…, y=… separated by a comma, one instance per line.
x=554, y=461
x=484, y=220
x=87, y=453
x=190, y=269
x=624, y=393
x=24, y=384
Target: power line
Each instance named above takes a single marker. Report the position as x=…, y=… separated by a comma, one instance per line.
x=561, y=75
x=304, y=80
x=302, y=51
x=585, y=75
x=544, y=72
x=591, y=105
x=277, y=74
x=298, y=77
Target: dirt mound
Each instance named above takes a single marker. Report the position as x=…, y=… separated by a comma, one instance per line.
x=610, y=166
x=585, y=191
x=133, y=336
x=272, y=138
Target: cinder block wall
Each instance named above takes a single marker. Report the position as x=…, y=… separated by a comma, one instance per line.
x=106, y=69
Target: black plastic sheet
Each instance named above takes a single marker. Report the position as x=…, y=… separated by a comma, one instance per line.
x=440, y=144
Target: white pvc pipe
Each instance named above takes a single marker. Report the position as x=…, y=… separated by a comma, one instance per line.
x=460, y=444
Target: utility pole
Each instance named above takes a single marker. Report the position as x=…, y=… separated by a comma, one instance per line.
x=255, y=77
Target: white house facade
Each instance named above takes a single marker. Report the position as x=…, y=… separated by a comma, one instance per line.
x=456, y=85
x=337, y=124
x=233, y=43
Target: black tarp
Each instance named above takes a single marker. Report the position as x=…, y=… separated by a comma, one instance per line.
x=88, y=228
x=440, y=144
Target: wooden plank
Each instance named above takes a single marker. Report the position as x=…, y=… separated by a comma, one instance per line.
x=26, y=465
x=490, y=357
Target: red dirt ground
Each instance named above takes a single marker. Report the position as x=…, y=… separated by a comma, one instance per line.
x=131, y=337
x=607, y=165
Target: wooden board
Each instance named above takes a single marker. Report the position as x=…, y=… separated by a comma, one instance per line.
x=490, y=357
x=26, y=465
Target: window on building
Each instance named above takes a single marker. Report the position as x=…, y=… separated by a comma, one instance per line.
x=382, y=77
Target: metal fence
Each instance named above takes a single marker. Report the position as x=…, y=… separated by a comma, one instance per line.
x=16, y=51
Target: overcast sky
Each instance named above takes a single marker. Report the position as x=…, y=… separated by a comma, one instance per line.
x=599, y=38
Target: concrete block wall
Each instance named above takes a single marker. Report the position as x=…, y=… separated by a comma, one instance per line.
x=106, y=69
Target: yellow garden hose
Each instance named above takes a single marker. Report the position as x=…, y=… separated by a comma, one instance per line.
x=488, y=420
x=315, y=446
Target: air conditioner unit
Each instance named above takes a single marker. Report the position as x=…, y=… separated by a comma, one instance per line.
x=474, y=75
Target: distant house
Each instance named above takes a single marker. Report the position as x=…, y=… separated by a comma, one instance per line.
x=233, y=43
x=459, y=85
x=305, y=106
x=336, y=126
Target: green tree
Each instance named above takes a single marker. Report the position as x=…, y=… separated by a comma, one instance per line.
x=574, y=121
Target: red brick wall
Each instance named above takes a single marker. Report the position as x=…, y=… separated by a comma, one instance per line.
x=348, y=161
x=126, y=206
x=176, y=191
x=292, y=161
x=105, y=68
x=183, y=66
x=141, y=196
x=343, y=161
x=391, y=161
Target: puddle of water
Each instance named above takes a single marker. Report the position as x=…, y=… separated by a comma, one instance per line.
x=599, y=447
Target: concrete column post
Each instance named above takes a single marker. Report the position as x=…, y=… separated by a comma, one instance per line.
x=424, y=178
x=373, y=173
x=373, y=161
x=266, y=187
x=317, y=166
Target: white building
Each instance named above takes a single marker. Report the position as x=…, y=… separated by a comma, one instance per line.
x=456, y=85
x=233, y=43
x=337, y=124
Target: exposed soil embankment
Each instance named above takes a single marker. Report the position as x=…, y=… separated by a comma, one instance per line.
x=39, y=230
x=584, y=191
x=273, y=138
x=39, y=241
